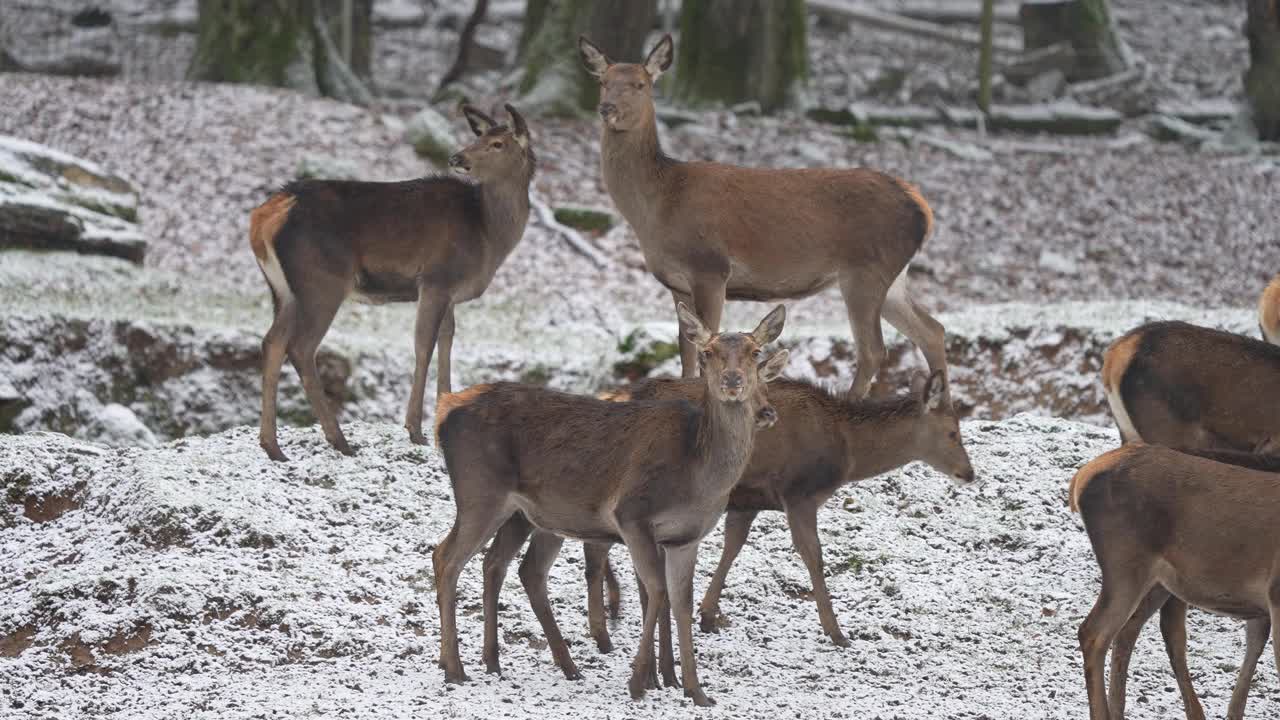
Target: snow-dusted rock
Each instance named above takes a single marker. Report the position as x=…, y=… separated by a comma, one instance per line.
x=117, y=426
x=431, y=135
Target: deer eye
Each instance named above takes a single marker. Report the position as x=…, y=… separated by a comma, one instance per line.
x=497, y=145
x=757, y=354
x=638, y=86
x=953, y=435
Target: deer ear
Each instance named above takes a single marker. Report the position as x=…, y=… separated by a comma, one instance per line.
x=935, y=392
x=479, y=122
x=692, y=328
x=660, y=57
x=771, y=326
x=593, y=59
x=772, y=368
x=518, y=129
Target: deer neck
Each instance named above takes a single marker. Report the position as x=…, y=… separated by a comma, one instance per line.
x=505, y=210
x=726, y=432
x=879, y=446
x=634, y=167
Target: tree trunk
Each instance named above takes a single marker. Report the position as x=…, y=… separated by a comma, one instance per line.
x=734, y=51
x=984, y=55
x=1262, y=79
x=283, y=43
x=1086, y=24
x=555, y=81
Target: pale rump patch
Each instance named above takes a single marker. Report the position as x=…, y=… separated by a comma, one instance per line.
x=1115, y=363
x=1269, y=312
x=1102, y=463
x=264, y=224
x=452, y=401
x=913, y=192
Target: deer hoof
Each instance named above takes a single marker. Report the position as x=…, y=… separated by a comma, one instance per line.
x=273, y=452
x=455, y=677
x=571, y=673
x=341, y=446
x=636, y=686
x=417, y=438
x=707, y=623
x=604, y=644
x=699, y=698
x=493, y=667
x=670, y=680
x=839, y=639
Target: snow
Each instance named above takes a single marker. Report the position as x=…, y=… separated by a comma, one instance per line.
x=304, y=588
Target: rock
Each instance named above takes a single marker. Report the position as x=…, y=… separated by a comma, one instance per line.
x=589, y=219
x=1047, y=85
x=53, y=201
x=327, y=168
x=398, y=14
x=117, y=426
x=431, y=135
x=88, y=52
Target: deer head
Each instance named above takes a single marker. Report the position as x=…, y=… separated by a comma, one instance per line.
x=500, y=151
x=626, y=89
x=734, y=364
x=938, y=433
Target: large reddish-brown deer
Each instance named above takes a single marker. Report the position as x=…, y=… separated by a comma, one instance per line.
x=1269, y=311
x=821, y=444
x=1167, y=525
x=1182, y=385
x=710, y=231
x=436, y=241
x=653, y=475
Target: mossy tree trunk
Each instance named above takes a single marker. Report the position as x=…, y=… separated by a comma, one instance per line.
x=733, y=51
x=283, y=43
x=554, y=80
x=1085, y=24
x=1262, y=79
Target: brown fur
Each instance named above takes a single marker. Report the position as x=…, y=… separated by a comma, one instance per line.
x=436, y=241
x=265, y=222
x=1269, y=311
x=821, y=442
x=1188, y=386
x=650, y=474
x=449, y=402
x=1171, y=529
x=711, y=231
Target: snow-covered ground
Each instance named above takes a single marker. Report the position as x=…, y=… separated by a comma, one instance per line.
x=200, y=580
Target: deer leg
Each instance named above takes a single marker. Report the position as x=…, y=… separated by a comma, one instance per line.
x=1256, y=632
x=444, y=343
x=1122, y=592
x=863, y=301
x=1122, y=648
x=596, y=559
x=538, y=559
x=688, y=353
x=681, y=561
x=802, y=519
x=921, y=328
x=312, y=324
x=497, y=559
x=615, y=591
x=737, y=525
x=664, y=633
x=666, y=657
x=470, y=531
x=649, y=569
x=708, y=301
x=275, y=346
x=1173, y=627
x=432, y=307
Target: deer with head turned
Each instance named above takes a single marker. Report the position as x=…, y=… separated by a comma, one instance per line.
x=436, y=241
x=821, y=444
x=1175, y=527
x=1200, y=390
x=1269, y=311
x=653, y=475
x=710, y=231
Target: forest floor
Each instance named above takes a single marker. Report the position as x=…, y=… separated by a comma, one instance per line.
x=304, y=589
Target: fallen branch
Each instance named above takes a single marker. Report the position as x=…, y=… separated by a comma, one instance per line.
x=1093, y=91
x=846, y=10
x=547, y=217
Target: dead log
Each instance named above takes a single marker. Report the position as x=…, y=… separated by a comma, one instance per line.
x=844, y=10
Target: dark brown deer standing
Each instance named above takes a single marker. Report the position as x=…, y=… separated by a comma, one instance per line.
x=1167, y=525
x=436, y=241
x=821, y=444
x=711, y=231
x=1269, y=312
x=1179, y=385
x=654, y=475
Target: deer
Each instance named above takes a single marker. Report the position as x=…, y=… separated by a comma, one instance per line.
x=653, y=475
x=1178, y=384
x=436, y=241
x=710, y=231
x=1202, y=391
x=1167, y=525
x=1269, y=311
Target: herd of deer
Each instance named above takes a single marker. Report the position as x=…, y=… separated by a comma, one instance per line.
x=655, y=465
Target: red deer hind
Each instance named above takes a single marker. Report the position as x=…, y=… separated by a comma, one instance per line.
x=711, y=231
x=436, y=241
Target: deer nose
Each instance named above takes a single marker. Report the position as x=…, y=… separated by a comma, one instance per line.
x=733, y=380
x=607, y=109
x=967, y=476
